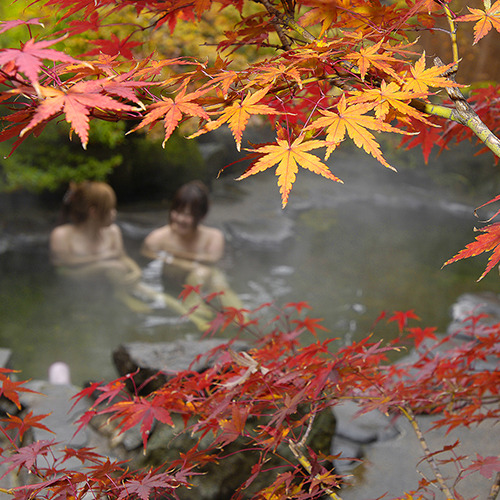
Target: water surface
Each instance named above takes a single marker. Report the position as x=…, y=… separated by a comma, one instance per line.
x=353, y=252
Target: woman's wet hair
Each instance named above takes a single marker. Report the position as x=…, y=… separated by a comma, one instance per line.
x=80, y=198
x=193, y=196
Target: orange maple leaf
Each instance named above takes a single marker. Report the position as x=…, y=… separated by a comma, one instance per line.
x=289, y=157
x=11, y=389
x=486, y=242
x=324, y=13
x=221, y=78
x=76, y=104
x=266, y=74
x=421, y=78
x=370, y=56
x=351, y=119
x=26, y=423
x=172, y=110
x=391, y=97
x=201, y=6
x=485, y=20
x=238, y=114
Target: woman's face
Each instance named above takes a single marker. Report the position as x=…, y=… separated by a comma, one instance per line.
x=183, y=221
x=105, y=219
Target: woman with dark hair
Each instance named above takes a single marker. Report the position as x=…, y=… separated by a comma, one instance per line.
x=189, y=249
x=90, y=245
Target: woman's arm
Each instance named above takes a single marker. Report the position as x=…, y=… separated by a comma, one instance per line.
x=213, y=249
x=156, y=246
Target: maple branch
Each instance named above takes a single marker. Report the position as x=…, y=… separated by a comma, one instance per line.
x=276, y=21
x=495, y=488
x=287, y=20
x=296, y=449
x=467, y=116
x=427, y=452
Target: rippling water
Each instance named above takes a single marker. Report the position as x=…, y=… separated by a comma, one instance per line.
x=351, y=254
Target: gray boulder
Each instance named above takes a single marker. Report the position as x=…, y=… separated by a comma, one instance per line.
x=152, y=364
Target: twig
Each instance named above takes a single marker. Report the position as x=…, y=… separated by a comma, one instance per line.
x=453, y=31
x=427, y=452
x=296, y=449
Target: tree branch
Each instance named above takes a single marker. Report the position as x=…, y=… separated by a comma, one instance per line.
x=287, y=20
x=296, y=449
x=465, y=115
x=428, y=455
x=495, y=488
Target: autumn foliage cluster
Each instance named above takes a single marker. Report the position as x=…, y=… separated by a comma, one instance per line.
x=266, y=398
x=319, y=72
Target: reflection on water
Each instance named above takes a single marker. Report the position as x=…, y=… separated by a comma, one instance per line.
x=350, y=261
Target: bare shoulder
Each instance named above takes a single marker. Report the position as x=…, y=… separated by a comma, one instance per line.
x=114, y=230
x=61, y=233
x=212, y=233
x=157, y=238
x=212, y=240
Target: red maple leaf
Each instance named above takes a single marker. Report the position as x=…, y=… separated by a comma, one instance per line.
x=29, y=58
x=310, y=324
x=426, y=138
x=145, y=412
x=402, y=317
x=111, y=390
x=487, y=466
x=233, y=427
x=7, y=25
x=486, y=242
x=144, y=486
x=113, y=47
x=11, y=389
x=76, y=103
x=24, y=424
x=299, y=306
x=27, y=455
x=420, y=334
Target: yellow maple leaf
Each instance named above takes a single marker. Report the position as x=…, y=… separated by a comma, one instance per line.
x=351, y=119
x=288, y=157
x=390, y=97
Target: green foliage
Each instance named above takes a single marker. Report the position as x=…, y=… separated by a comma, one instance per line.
x=136, y=165
x=48, y=163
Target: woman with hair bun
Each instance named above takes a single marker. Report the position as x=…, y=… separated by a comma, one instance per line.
x=90, y=245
